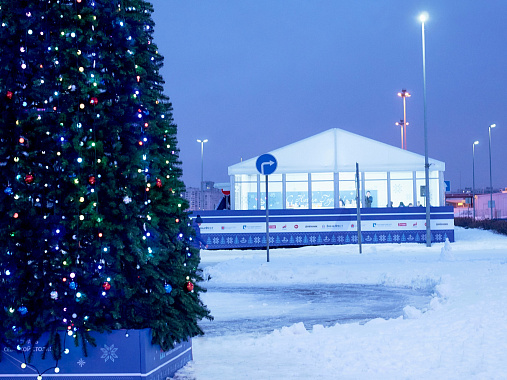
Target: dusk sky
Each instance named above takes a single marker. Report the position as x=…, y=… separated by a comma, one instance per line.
x=252, y=76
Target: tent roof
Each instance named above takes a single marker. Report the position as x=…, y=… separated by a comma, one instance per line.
x=336, y=150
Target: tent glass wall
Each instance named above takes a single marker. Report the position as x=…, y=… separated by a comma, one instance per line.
x=275, y=192
x=347, y=186
x=245, y=192
x=317, y=190
x=322, y=190
x=434, y=188
x=402, y=189
x=376, y=184
x=296, y=185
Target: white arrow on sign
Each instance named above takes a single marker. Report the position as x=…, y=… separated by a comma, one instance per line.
x=266, y=163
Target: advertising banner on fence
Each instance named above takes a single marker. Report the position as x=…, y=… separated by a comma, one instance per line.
x=246, y=229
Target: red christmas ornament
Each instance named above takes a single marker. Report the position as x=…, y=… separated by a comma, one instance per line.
x=106, y=285
x=159, y=182
x=29, y=178
x=189, y=286
x=9, y=94
x=91, y=180
x=94, y=101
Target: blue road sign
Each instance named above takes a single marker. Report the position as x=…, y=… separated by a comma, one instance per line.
x=266, y=164
x=447, y=185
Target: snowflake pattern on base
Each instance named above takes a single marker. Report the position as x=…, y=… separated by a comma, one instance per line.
x=109, y=353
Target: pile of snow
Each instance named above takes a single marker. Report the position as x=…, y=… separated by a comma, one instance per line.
x=459, y=335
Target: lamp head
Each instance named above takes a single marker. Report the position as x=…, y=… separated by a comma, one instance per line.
x=423, y=17
x=476, y=142
x=492, y=126
x=404, y=94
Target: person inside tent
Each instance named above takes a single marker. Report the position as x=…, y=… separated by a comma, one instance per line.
x=368, y=199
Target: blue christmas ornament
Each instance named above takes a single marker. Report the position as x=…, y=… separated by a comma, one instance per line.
x=8, y=190
x=168, y=288
x=72, y=285
x=23, y=310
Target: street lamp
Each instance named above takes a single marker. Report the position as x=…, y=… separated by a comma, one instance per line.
x=202, y=171
x=401, y=124
x=490, y=176
x=473, y=175
x=404, y=94
x=423, y=17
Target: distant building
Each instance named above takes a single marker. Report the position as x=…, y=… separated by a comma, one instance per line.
x=463, y=204
x=208, y=185
x=482, y=205
x=211, y=197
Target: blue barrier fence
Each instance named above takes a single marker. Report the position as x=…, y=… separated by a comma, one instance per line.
x=229, y=229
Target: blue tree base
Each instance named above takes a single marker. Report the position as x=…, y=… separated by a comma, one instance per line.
x=118, y=355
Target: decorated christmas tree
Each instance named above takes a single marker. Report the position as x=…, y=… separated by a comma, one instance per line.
x=93, y=232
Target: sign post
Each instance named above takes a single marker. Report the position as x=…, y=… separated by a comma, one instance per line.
x=358, y=204
x=266, y=164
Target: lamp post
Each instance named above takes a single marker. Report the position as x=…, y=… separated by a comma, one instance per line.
x=404, y=94
x=423, y=17
x=401, y=124
x=202, y=171
x=473, y=175
x=490, y=176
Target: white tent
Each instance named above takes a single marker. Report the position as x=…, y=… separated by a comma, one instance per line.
x=336, y=150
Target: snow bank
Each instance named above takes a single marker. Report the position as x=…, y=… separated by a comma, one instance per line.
x=461, y=335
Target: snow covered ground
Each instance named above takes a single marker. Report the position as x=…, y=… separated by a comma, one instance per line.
x=457, y=330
